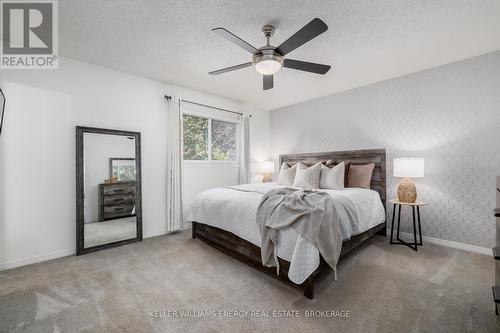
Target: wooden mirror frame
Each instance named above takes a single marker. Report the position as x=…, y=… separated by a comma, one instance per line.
x=2, y=109
x=80, y=218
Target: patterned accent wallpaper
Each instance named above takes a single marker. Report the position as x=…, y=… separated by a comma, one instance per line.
x=449, y=115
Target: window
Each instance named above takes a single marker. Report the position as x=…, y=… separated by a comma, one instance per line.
x=195, y=138
x=224, y=141
x=207, y=139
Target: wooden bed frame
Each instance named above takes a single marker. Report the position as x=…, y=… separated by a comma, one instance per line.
x=249, y=253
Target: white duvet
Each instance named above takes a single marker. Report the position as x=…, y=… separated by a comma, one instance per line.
x=234, y=209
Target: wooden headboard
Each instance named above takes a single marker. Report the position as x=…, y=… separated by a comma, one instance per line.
x=364, y=156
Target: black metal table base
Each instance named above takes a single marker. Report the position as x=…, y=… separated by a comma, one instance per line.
x=413, y=245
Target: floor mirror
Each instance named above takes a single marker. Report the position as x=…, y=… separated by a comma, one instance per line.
x=108, y=188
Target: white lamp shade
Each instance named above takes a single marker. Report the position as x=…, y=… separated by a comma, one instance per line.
x=267, y=167
x=408, y=167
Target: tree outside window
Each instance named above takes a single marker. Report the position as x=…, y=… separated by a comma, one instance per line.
x=195, y=138
x=209, y=139
x=224, y=137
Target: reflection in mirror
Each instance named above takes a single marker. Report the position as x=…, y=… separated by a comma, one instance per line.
x=122, y=169
x=109, y=188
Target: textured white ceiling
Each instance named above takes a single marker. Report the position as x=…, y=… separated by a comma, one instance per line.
x=367, y=41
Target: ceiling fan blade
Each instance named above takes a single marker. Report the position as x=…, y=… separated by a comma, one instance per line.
x=312, y=29
x=232, y=68
x=235, y=39
x=268, y=82
x=306, y=66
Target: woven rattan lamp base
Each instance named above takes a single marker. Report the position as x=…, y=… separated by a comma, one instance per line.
x=407, y=192
x=267, y=177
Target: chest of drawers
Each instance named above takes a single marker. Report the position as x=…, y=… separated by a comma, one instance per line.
x=116, y=200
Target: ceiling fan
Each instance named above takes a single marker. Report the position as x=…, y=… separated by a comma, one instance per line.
x=268, y=60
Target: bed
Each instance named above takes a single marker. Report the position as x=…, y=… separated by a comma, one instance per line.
x=225, y=219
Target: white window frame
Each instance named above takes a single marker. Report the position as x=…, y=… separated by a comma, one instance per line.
x=211, y=162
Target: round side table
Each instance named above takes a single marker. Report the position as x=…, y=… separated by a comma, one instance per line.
x=398, y=204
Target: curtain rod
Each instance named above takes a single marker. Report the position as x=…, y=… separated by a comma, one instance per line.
x=208, y=106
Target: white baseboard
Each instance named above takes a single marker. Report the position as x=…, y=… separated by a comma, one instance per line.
x=186, y=226
x=36, y=259
x=447, y=243
x=154, y=234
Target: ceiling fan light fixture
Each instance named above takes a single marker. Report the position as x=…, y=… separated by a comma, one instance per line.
x=268, y=67
x=268, y=62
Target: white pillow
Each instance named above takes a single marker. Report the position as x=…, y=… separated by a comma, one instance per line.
x=332, y=178
x=287, y=175
x=307, y=177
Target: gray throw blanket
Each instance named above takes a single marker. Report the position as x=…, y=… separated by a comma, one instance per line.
x=310, y=213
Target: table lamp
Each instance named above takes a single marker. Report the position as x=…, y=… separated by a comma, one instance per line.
x=267, y=168
x=406, y=168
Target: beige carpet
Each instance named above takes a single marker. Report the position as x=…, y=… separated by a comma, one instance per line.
x=385, y=288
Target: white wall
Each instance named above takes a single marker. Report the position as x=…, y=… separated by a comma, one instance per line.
x=260, y=140
x=97, y=150
x=37, y=150
x=450, y=115
x=203, y=177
